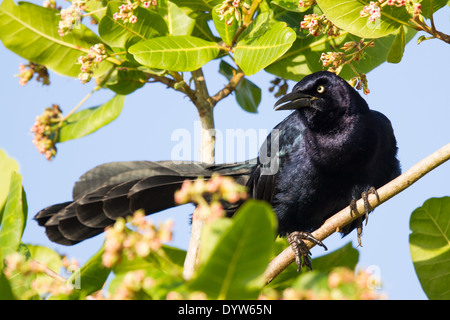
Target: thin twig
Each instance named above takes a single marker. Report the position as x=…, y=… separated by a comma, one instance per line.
x=49, y=271
x=230, y=87
x=342, y=218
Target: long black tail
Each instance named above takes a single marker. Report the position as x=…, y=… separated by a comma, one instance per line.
x=117, y=189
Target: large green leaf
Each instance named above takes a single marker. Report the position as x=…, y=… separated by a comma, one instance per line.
x=7, y=166
x=254, y=53
x=14, y=217
x=149, y=25
x=89, y=120
x=235, y=267
x=177, y=53
x=31, y=31
x=429, y=243
x=346, y=15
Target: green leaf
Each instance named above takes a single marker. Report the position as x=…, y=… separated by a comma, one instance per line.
x=225, y=31
x=236, y=266
x=177, y=53
x=211, y=234
x=426, y=6
x=346, y=256
x=31, y=31
x=179, y=23
x=149, y=25
x=395, y=53
x=255, y=53
x=89, y=120
x=91, y=276
x=429, y=243
x=124, y=81
x=14, y=217
x=248, y=94
x=7, y=166
x=346, y=15
x=6, y=292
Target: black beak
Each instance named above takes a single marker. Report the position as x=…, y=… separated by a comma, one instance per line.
x=293, y=100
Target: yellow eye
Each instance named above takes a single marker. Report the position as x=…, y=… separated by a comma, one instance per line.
x=320, y=89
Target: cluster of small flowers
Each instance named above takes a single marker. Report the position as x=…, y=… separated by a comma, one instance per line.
x=97, y=54
x=126, y=10
x=27, y=71
x=317, y=25
x=360, y=82
x=332, y=60
x=146, y=239
x=306, y=3
x=42, y=130
x=373, y=9
x=132, y=283
x=215, y=189
x=231, y=9
x=357, y=47
x=343, y=284
x=71, y=17
x=18, y=267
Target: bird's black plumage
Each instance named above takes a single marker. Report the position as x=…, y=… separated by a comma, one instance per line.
x=328, y=151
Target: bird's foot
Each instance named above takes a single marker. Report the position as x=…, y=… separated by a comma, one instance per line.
x=301, y=251
x=367, y=209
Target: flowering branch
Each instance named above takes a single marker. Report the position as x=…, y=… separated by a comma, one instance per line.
x=374, y=10
x=342, y=218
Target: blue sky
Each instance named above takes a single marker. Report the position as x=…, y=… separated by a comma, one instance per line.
x=413, y=94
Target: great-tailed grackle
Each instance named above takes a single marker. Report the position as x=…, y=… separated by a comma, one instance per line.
x=331, y=150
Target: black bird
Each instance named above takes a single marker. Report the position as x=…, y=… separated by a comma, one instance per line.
x=326, y=154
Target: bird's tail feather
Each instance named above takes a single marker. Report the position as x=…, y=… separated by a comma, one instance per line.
x=117, y=189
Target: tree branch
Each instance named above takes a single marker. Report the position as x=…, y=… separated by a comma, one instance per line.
x=230, y=87
x=343, y=217
x=205, y=106
x=421, y=25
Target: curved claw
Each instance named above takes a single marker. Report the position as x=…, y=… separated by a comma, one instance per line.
x=367, y=210
x=302, y=254
x=365, y=197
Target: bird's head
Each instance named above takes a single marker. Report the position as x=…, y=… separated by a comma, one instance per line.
x=322, y=99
